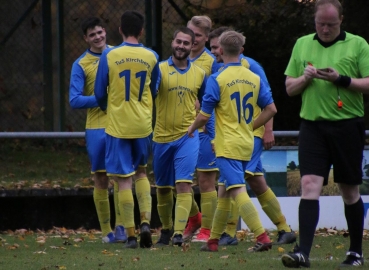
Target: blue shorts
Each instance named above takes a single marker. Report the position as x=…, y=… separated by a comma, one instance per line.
x=175, y=161
x=232, y=172
x=254, y=166
x=124, y=156
x=206, y=160
x=95, y=144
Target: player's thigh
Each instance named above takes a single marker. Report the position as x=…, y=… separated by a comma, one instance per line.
x=141, y=150
x=163, y=163
x=95, y=144
x=118, y=157
x=254, y=166
x=185, y=158
x=206, y=160
x=232, y=172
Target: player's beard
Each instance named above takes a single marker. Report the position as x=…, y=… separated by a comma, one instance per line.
x=180, y=54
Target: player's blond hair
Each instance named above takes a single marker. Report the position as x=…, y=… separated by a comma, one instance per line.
x=203, y=22
x=231, y=42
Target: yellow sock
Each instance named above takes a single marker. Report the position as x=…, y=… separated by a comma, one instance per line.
x=143, y=194
x=249, y=214
x=118, y=217
x=194, y=208
x=208, y=206
x=101, y=199
x=126, y=206
x=220, y=217
x=183, y=206
x=232, y=222
x=272, y=208
x=165, y=208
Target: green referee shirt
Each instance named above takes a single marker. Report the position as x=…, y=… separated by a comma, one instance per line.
x=349, y=55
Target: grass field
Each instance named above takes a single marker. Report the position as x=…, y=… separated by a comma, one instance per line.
x=80, y=249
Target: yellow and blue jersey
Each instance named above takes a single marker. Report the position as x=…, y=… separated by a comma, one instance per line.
x=256, y=68
x=81, y=89
x=175, y=100
x=234, y=92
x=207, y=61
x=130, y=71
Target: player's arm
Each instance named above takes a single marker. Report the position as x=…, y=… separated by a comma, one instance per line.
x=200, y=121
x=266, y=103
x=157, y=86
x=209, y=101
x=155, y=80
x=102, y=82
x=209, y=127
x=268, y=137
x=77, y=83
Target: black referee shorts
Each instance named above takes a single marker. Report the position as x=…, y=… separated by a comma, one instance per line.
x=338, y=143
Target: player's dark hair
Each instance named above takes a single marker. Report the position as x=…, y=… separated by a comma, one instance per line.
x=90, y=23
x=218, y=31
x=131, y=23
x=185, y=30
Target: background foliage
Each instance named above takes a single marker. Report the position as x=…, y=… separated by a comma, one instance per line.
x=271, y=28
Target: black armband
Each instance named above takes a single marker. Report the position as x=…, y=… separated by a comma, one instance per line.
x=343, y=81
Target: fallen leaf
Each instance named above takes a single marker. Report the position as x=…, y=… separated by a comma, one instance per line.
x=78, y=240
x=135, y=259
x=340, y=246
x=224, y=257
x=281, y=249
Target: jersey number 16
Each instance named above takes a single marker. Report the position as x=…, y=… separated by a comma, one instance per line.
x=247, y=108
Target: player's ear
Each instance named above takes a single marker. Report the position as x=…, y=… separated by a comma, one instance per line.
x=85, y=38
x=120, y=31
x=141, y=33
x=241, y=51
x=221, y=50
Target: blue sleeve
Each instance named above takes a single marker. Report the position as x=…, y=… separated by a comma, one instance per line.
x=215, y=67
x=155, y=80
x=77, y=84
x=102, y=82
x=265, y=96
x=211, y=97
x=201, y=92
x=210, y=126
x=256, y=68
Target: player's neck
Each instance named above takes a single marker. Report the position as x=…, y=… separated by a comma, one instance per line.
x=230, y=59
x=194, y=54
x=131, y=39
x=180, y=64
x=97, y=50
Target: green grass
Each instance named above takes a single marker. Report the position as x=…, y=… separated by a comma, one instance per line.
x=85, y=251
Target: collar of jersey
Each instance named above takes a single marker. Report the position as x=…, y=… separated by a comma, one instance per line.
x=194, y=59
x=131, y=44
x=341, y=36
x=171, y=63
x=231, y=64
